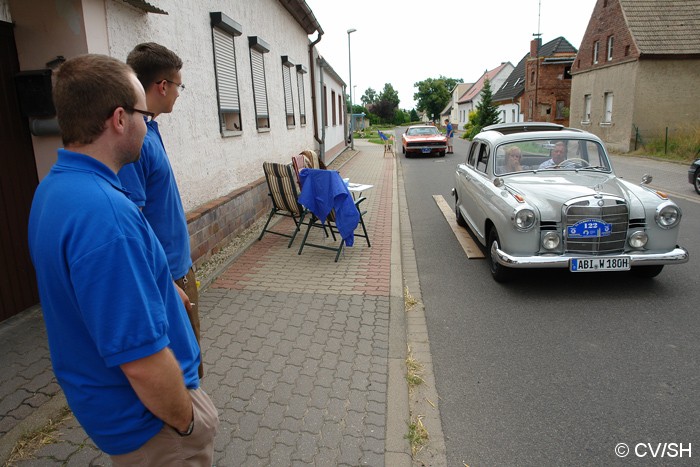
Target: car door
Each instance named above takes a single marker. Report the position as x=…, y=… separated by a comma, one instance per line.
x=468, y=191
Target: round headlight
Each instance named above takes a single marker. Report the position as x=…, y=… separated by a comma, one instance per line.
x=551, y=241
x=524, y=219
x=638, y=239
x=668, y=215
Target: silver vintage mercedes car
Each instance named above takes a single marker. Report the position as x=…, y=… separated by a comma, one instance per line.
x=539, y=195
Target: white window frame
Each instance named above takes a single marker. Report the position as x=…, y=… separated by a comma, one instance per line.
x=586, y=108
x=608, y=109
x=258, y=49
x=224, y=31
x=611, y=43
x=596, y=47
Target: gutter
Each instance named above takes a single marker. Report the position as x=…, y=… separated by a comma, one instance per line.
x=312, y=65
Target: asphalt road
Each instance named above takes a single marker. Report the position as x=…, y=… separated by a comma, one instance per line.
x=559, y=368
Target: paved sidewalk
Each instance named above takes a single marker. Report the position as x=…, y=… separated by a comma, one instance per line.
x=304, y=357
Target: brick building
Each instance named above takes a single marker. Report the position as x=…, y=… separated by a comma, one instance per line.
x=637, y=71
x=547, y=90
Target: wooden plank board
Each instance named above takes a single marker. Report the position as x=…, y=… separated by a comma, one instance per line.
x=471, y=248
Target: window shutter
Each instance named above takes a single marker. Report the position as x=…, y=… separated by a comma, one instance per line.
x=259, y=89
x=288, y=101
x=225, y=58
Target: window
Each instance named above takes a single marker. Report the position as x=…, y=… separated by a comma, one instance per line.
x=340, y=111
x=483, y=160
x=596, y=46
x=333, y=114
x=287, y=84
x=473, y=151
x=224, y=29
x=513, y=115
x=608, y=107
x=587, y=108
x=301, y=71
x=559, y=113
x=611, y=40
x=258, y=48
x=627, y=50
x=567, y=72
x=325, y=106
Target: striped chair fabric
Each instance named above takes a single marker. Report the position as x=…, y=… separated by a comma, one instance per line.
x=284, y=195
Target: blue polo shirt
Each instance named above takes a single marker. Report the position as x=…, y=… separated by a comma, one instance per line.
x=151, y=184
x=107, y=297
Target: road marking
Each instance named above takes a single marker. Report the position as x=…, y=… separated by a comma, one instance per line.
x=468, y=244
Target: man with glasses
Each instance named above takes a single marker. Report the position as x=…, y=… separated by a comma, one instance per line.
x=121, y=347
x=150, y=180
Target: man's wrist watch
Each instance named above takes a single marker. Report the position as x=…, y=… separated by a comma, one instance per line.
x=189, y=429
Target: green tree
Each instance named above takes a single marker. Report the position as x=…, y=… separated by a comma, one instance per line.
x=369, y=97
x=414, y=116
x=386, y=105
x=434, y=94
x=486, y=111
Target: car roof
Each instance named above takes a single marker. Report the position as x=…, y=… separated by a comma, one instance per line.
x=509, y=132
x=522, y=127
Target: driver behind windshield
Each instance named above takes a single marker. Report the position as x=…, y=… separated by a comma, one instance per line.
x=558, y=155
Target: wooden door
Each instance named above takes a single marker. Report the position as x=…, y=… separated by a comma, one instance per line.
x=18, y=180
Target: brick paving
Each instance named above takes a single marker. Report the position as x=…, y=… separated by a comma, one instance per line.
x=296, y=350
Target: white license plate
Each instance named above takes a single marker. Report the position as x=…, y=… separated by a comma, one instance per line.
x=620, y=263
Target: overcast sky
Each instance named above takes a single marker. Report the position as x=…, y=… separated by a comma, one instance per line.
x=405, y=41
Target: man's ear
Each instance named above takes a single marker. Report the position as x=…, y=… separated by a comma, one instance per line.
x=117, y=121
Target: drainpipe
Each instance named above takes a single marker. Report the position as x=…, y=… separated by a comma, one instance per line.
x=322, y=141
x=312, y=65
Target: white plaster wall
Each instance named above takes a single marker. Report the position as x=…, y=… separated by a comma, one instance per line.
x=509, y=108
x=334, y=134
x=206, y=164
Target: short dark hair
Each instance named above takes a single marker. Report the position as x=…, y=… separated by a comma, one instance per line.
x=87, y=90
x=153, y=63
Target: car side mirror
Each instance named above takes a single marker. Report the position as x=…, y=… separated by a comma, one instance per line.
x=646, y=179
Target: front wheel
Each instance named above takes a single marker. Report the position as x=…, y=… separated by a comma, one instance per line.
x=458, y=214
x=499, y=272
x=403, y=149
x=697, y=181
x=647, y=271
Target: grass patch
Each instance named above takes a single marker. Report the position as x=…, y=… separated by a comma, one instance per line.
x=32, y=441
x=408, y=300
x=682, y=145
x=414, y=371
x=417, y=435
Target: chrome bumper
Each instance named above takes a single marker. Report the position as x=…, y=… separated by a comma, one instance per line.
x=676, y=256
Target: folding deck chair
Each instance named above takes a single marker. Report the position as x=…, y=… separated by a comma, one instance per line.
x=284, y=196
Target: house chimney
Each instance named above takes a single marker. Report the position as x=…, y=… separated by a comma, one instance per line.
x=535, y=46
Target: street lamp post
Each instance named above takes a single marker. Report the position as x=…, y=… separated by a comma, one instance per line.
x=352, y=138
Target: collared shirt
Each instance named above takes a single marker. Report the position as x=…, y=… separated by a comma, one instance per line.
x=107, y=297
x=152, y=186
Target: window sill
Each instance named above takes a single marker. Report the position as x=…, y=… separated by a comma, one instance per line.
x=291, y=127
x=605, y=124
x=263, y=130
x=586, y=123
x=229, y=133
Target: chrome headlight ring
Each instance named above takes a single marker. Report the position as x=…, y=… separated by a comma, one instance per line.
x=667, y=215
x=524, y=219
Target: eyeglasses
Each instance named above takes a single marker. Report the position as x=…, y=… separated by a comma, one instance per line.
x=180, y=86
x=516, y=156
x=149, y=115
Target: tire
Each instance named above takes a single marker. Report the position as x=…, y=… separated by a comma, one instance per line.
x=697, y=181
x=499, y=272
x=408, y=155
x=403, y=149
x=647, y=271
x=441, y=154
x=460, y=220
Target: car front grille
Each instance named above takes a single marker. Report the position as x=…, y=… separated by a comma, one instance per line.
x=613, y=211
x=426, y=143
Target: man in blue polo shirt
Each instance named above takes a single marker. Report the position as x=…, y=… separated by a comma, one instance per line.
x=150, y=180
x=121, y=345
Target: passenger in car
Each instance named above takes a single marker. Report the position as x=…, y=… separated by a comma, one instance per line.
x=513, y=158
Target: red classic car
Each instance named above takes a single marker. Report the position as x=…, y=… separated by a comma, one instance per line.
x=423, y=139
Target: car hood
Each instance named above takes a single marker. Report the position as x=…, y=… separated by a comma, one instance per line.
x=547, y=192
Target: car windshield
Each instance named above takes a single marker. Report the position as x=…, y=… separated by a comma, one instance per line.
x=560, y=154
x=422, y=131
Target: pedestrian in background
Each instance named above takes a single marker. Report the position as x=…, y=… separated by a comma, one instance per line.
x=150, y=180
x=450, y=135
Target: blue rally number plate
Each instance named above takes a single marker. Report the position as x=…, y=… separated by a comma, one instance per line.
x=620, y=263
x=589, y=228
